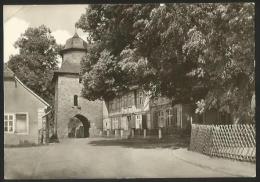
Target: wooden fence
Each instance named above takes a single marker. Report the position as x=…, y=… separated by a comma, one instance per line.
x=236, y=141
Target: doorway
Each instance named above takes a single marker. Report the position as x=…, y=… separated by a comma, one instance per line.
x=78, y=127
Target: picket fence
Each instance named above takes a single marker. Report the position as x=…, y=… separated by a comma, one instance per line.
x=237, y=141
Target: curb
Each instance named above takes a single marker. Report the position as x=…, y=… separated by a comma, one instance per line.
x=234, y=174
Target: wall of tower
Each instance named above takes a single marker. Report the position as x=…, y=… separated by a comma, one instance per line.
x=67, y=86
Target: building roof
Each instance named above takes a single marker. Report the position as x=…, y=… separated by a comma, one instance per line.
x=8, y=73
x=75, y=43
x=69, y=67
x=37, y=96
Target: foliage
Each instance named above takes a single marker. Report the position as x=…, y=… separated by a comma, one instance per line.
x=225, y=57
x=111, y=30
x=198, y=53
x=36, y=61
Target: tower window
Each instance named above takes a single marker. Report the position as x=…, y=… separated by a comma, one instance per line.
x=75, y=100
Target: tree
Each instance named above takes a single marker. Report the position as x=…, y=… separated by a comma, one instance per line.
x=225, y=58
x=111, y=30
x=36, y=61
x=188, y=52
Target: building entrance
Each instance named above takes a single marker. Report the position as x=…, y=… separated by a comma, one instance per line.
x=78, y=127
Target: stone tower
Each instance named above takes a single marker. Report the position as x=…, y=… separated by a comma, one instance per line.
x=69, y=104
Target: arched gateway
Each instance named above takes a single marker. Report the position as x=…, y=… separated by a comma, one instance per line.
x=78, y=127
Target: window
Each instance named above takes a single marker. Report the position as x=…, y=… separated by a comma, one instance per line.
x=21, y=123
x=110, y=105
x=169, y=117
x=113, y=105
x=117, y=104
x=161, y=119
x=129, y=118
x=155, y=119
x=107, y=124
x=140, y=98
x=132, y=98
x=120, y=103
x=124, y=123
x=9, y=123
x=138, y=121
x=16, y=123
x=75, y=100
x=175, y=116
x=123, y=101
x=144, y=121
x=115, y=123
x=129, y=100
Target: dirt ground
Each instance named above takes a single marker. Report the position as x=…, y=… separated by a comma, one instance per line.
x=109, y=158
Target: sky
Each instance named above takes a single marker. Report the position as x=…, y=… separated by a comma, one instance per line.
x=60, y=19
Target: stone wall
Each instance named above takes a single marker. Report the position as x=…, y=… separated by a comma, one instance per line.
x=68, y=86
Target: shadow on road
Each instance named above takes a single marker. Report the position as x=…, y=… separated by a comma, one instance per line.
x=171, y=142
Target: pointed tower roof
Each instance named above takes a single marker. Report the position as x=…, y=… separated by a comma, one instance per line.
x=75, y=43
x=70, y=66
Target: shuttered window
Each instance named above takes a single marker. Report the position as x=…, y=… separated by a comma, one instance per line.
x=21, y=123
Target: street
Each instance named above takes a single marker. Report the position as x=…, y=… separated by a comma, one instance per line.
x=104, y=158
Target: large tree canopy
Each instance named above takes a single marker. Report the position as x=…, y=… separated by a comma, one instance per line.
x=200, y=53
x=36, y=61
x=112, y=33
